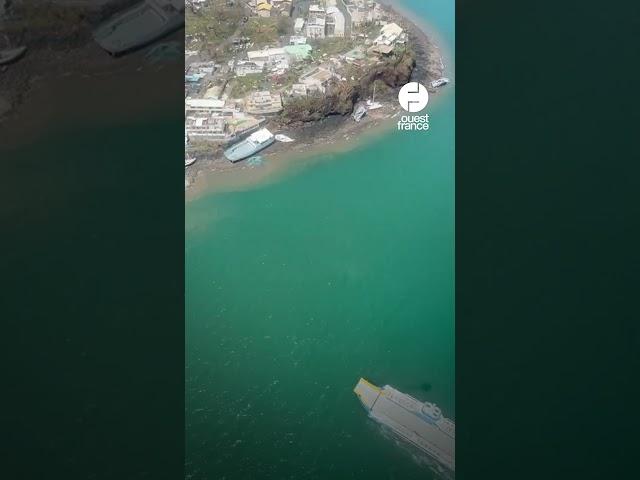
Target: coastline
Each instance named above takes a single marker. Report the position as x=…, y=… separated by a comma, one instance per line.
x=318, y=139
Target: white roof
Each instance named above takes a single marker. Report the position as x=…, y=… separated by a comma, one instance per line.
x=266, y=52
x=391, y=29
x=204, y=103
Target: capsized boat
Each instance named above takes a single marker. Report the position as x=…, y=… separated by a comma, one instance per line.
x=359, y=112
x=439, y=82
x=283, y=138
x=251, y=145
x=419, y=423
x=11, y=54
x=140, y=25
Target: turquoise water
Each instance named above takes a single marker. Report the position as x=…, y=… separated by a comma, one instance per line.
x=296, y=289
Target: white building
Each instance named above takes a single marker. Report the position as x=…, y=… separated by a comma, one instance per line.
x=335, y=22
x=361, y=11
x=316, y=22
x=244, y=68
x=272, y=55
x=317, y=79
x=263, y=103
x=207, y=105
x=205, y=125
x=298, y=25
x=389, y=34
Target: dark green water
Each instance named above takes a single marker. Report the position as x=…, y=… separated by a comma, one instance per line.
x=296, y=289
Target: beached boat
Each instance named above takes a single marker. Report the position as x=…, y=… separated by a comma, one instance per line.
x=11, y=54
x=140, y=25
x=189, y=161
x=254, y=143
x=359, y=112
x=439, y=82
x=283, y=138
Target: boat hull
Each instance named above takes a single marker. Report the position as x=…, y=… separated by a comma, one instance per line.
x=243, y=150
x=135, y=28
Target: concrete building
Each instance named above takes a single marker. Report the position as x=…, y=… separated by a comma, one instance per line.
x=209, y=106
x=298, y=25
x=361, y=11
x=244, y=68
x=263, y=9
x=297, y=40
x=335, y=22
x=389, y=34
x=269, y=55
x=317, y=79
x=316, y=22
x=205, y=125
x=299, y=90
x=263, y=103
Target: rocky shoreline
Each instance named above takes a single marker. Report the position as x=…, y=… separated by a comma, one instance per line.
x=314, y=136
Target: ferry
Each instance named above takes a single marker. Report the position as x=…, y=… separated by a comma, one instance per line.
x=418, y=423
x=248, y=147
x=140, y=25
x=439, y=82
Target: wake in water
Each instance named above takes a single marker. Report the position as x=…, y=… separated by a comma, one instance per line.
x=418, y=456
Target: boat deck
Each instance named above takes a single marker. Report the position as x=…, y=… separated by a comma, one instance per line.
x=400, y=412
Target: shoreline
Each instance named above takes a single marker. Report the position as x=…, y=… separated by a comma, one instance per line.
x=217, y=175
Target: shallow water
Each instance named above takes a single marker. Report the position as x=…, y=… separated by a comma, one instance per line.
x=297, y=288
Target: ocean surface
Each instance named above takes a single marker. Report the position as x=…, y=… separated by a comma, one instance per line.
x=297, y=288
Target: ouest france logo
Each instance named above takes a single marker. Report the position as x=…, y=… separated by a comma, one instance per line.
x=413, y=98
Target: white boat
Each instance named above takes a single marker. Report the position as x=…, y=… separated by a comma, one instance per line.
x=189, y=161
x=254, y=143
x=140, y=25
x=11, y=54
x=359, y=112
x=283, y=138
x=439, y=82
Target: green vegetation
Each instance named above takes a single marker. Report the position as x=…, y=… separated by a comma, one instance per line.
x=332, y=46
x=243, y=85
x=213, y=24
x=262, y=30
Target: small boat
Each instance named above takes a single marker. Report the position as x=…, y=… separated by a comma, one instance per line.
x=439, y=82
x=11, y=54
x=189, y=161
x=140, y=25
x=283, y=138
x=359, y=113
x=248, y=147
